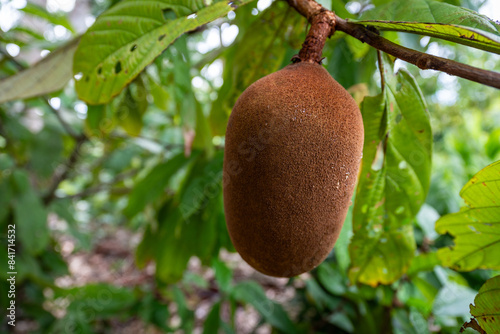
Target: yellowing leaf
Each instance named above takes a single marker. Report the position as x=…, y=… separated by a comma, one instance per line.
x=486, y=308
x=476, y=227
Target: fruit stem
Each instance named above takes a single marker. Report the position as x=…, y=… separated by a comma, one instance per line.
x=322, y=27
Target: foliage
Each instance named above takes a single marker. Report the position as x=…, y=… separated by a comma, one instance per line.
x=486, y=310
x=475, y=226
x=394, y=179
x=131, y=142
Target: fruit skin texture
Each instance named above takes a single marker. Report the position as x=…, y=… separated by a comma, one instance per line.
x=294, y=142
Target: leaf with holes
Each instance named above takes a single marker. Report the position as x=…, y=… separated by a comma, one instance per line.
x=436, y=19
x=394, y=179
x=129, y=36
x=476, y=227
x=486, y=308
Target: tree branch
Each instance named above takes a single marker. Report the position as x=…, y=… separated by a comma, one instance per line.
x=310, y=9
x=322, y=27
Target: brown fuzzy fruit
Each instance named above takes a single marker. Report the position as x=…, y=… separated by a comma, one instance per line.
x=293, y=147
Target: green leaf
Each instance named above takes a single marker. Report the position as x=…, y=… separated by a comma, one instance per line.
x=486, y=308
x=492, y=146
x=45, y=150
x=187, y=224
x=5, y=199
x=331, y=279
x=128, y=37
x=203, y=134
x=41, y=12
x=203, y=183
x=30, y=215
x=145, y=251
x=132, y=107
x=187, y=315
x=96, y=122
x=320, y=298
x=341, y=249
x=436, y=19
x=153, y=311
x=476, y=227
x=153, y=184
x=425, y=294
x=161, y=97
x=104, y=298
x=48, y=75
x=342, y=321
x=423, y=262
x=174, y=243
x=253, y=294
x=223, y=274
x=212, y=323
x=28, y=31
x=394, y=179
x=89, y=303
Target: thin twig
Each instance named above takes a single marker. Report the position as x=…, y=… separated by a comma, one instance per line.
x=64, y=124
x=310, y=8
x=381, y=69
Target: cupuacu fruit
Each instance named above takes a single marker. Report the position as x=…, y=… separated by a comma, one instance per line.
x=293, y=147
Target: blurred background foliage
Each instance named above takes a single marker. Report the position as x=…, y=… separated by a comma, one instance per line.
x=119, y=206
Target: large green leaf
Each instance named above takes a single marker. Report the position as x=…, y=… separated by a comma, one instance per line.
x=129, y=36
x=436, y=19
x=153, y=184
x=486, y=308
x=476, y=227
x=48, y=75
x=175, y=243
x=394, y=179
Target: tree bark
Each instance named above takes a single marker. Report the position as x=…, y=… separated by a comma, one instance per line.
x=315, y=14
